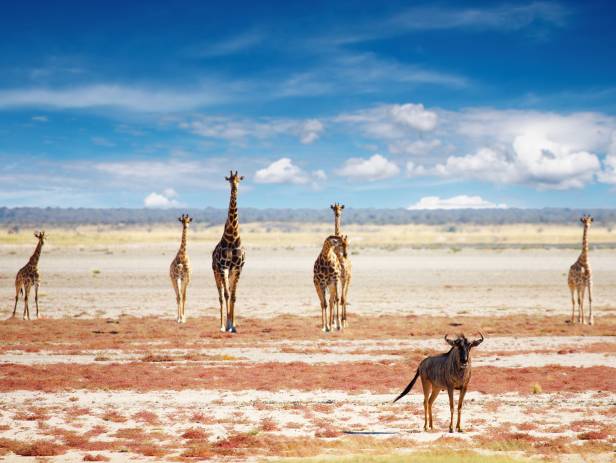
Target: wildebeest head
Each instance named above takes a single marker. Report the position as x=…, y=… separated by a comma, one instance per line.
x=463, y=347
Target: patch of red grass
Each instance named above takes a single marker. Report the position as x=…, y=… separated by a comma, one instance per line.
x=378, y=377
x=36, y=414
x=4, y=427
x=583, y=425
x=75, y=412
x=195, y=434
x=133, y=434
x=149, y=449
x=157, y=358
x=593, y=435
x=145, y=416
x=199, y=417
x=114, y=416
x=327, y=432
x=95, y=457
x=268, y=425
x=202, y=451
x=40, y=448
x=70, y=438
x=96, y=430
x=526, y=426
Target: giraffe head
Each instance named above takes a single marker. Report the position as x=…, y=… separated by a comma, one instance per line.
x=337, y=208
x=234, y=179
x=586, y=219
x=41, y=236
x=185, y=219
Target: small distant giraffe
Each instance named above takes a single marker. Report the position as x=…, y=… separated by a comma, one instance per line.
x=580, y=277
x=27, y=277
x=228, y=259
x=327, y=275
x=180, y=271
x=345, y=263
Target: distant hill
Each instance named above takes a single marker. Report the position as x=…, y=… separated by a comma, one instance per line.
x=32, y=216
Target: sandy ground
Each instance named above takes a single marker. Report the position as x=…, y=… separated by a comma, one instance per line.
x=62, y=380
x=133, y=280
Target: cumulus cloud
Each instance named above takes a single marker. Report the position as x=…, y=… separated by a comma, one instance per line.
x=455, y=202
x=376, y=167
x=239, y=130
x=284, y=171
x=391, y=121
x=163, y=200
x=608, y=174
x=415, y=147
x=40, y=118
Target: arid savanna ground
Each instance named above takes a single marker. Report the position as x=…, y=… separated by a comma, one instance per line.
x=107, y=374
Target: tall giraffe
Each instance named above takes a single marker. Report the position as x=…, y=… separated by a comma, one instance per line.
x=228, y=259
x=180, y=271
x=327, y=275
x=580, y=277
x=27, y=277
x=345, y=263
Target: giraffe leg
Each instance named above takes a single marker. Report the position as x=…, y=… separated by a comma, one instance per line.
x=36, y=288
x=26, y=315
x=435, y=392
x=17, y=291
x=178, y=299
x=581, y=301
x=225, y=288
x=218, y=279
x=460, y=400
x=572, y=289
x=579, y=315
x=427, y=388
x=345, y=321
x=234, y=278
x=321, y=293
x=451, y=408
x=185, y=282
x=590, y=317
x=333, y=301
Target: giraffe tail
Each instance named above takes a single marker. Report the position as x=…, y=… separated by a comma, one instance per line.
x=409, y=387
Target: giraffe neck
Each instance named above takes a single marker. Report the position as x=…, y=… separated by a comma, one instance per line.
x=232, y=225
x=327, y=248
x=583, y=259
x=182, y=251
x=37, y=254
x=337, y=218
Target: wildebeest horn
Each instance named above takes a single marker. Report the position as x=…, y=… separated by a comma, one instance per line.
x=476, y=342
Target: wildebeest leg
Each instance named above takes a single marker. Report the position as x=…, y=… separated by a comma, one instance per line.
x=460, y=400
x=435, y=392
x=425, y=384
x=450, y=393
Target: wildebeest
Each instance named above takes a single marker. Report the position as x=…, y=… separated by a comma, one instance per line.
x=445, y=371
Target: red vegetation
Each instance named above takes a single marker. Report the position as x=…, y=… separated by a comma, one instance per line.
x=268, y=425
x=195, y=434
x=95, y=457
x=593, y=435
x=145, y=416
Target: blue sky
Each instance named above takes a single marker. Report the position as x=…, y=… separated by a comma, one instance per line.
x=374, y=104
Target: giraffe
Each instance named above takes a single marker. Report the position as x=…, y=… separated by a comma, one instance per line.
x=345, y=264
x=327, y=275
x=27, y=277
x=228, y=259
x=180, y=271
x=580, y=277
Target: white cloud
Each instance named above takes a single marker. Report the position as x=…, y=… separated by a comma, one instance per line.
x=414, y=170
x=102, y=141
x=162, y=200
x=239, y=130
x=455, y=202
x=414, y=116
x=284, y=171
x=608, y=175
x=128, y=98
x=392, y=122
x=414, y=148
x=229, y=45
x=40, y=118
x=376, y=167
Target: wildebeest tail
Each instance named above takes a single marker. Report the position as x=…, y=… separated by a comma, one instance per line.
x=409, y=387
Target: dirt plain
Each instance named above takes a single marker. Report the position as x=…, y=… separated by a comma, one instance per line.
x=107, y=374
